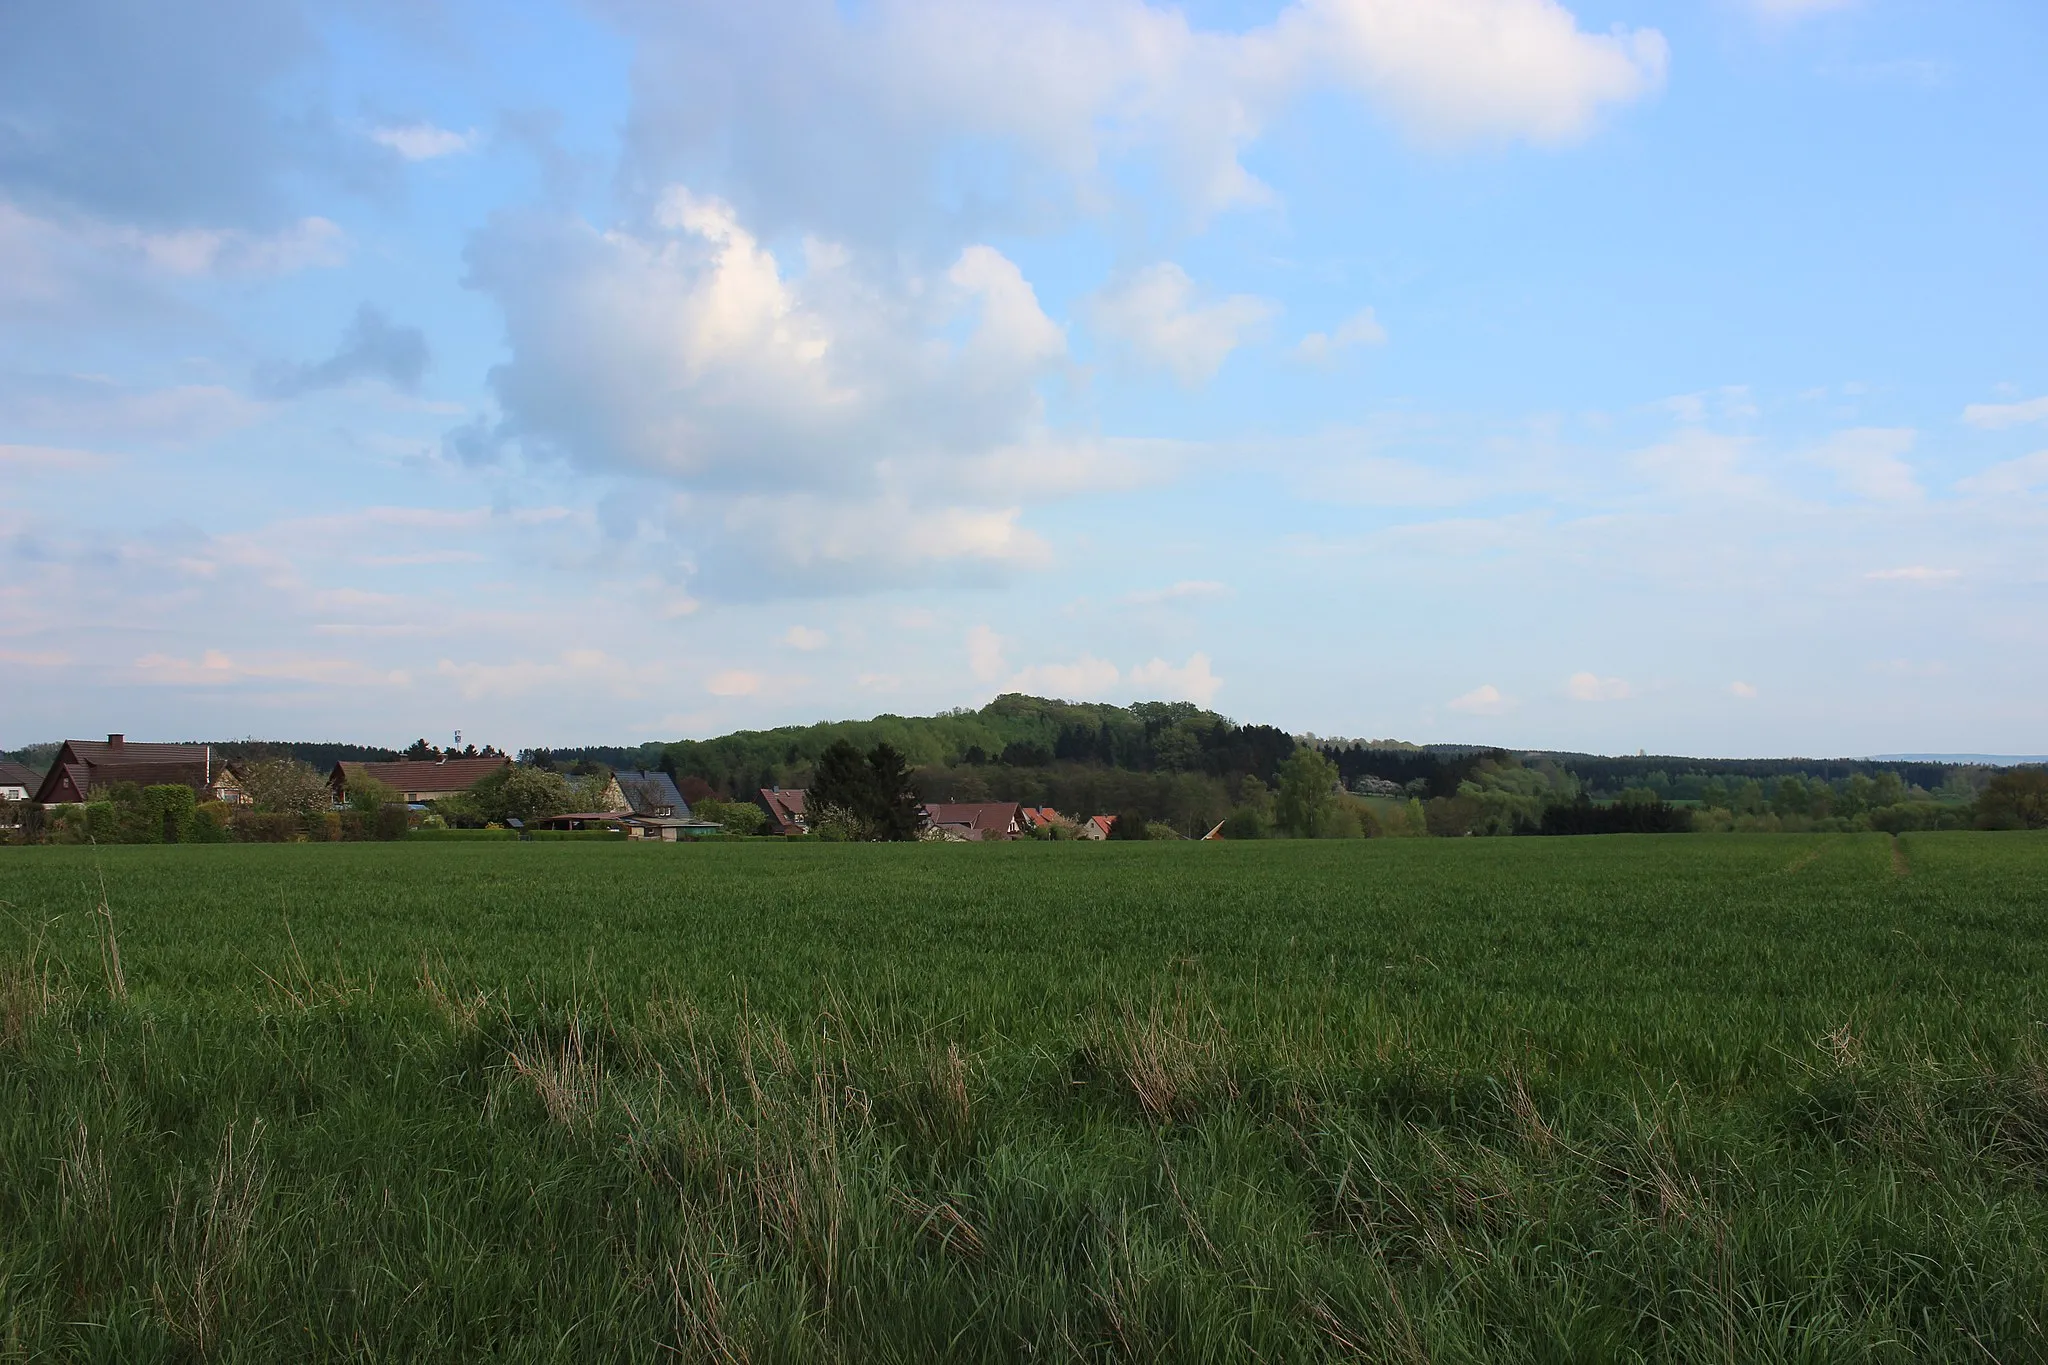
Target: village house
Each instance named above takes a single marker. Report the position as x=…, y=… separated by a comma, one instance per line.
x=785, y=807
x=16, y=782
x=418, y=780
x=1042, y=817
x=84, y=764
x=976, y=820
x=652, y=794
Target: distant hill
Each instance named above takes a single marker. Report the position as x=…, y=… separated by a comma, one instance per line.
x=1974, y=760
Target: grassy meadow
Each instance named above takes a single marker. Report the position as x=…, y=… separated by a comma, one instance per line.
x=1635, y=1098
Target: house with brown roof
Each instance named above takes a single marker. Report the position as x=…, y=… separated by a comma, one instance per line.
x=16, y=782
x=975, y=820
x=785, y=807
x=1097, y=826
x=83, y=764
x=418, y=779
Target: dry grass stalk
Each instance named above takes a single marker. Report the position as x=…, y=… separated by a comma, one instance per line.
x=110, y=946
x=701, y=1310
x=1165, y=1065
x=461, y=1012
x=302, y=991
x=83, y=1183
x=1843, y=1047
x=27, y=992
x=1537, y=1133
x=945, y=1223
x=568, y=1078
x=209, y=1246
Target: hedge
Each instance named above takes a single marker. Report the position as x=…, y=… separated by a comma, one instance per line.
x=459, y=835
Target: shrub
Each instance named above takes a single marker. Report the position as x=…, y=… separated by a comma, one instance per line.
x=206, y=824
x=465, y=835
x=738, y=817
x=555, y=836
x=1243, y=823
x=265, y=827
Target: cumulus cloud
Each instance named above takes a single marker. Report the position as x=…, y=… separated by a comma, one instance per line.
x=373, y=347
x=1999, y=416
x=1700, y=462
x=1485, y=700
x=422, y=141
x=1085, y=679
x=843, y=116
x=1743, y=691
x=1593, y=687
x=1192, y=681
x=1869, y=462
x=685, y=350
x=1154, y=315
x=1360, y=329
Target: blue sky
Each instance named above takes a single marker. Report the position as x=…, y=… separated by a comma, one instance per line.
x=1603, y=376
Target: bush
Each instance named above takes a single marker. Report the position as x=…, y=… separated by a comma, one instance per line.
x=738, y=817
x=553, y=836
x=206, y=824
x=1243, y=823
x=456, y=836
x=1156, y=830
x=265, y=827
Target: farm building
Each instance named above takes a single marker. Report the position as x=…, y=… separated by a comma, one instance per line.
x=418, y=779
x=83, y=764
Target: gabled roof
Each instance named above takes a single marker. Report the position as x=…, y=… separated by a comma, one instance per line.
x=785, y=805
x=650, y=792
x=986, y=817
x=15, y=775
x=82, y=764
x=420, y=775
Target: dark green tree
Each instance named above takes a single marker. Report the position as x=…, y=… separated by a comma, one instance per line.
x=895, y=810
x=2015, y=799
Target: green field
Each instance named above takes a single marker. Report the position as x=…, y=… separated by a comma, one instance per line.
x=1740, y=1098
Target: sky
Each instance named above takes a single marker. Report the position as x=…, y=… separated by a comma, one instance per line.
x=1596, y=376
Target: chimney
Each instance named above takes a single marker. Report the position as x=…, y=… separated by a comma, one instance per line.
x=115, y=741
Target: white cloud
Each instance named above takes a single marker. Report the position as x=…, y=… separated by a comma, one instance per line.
x=846, y=112
x=1999, y=416
x=1360, y=329
x=1743, y=691
x=214, y=668
x=1913, y=573
x=2023, y=475
x=1695, y=461
x=985, y=654
x=1192, y=681
x=1486, y=700
x=845, y=417
x=1154, y=315
x=805, y=638
x=1593, y=687
x=1381, y=481
x=733, y=682
x=1086, y=678
x=1869, y=462
x=423, y=141
x=1183, y=591
x=91, y=408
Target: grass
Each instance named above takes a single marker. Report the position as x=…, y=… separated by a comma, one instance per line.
x=1449, y=1100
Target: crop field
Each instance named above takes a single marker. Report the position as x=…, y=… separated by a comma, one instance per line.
x=1637, y=1098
